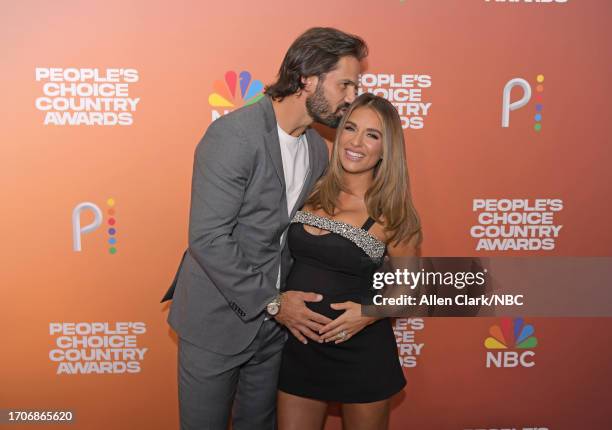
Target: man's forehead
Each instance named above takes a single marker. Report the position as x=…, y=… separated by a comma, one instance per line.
x=348, y=70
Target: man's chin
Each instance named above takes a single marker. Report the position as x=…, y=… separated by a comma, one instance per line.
x=335, y=121
x=329, y=122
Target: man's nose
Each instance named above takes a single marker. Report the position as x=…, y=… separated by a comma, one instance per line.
x=351, y=95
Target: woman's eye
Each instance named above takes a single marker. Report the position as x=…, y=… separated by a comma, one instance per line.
x=349, y=127
x=373, y=136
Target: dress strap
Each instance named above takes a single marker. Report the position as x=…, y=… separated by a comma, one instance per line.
x=373, y=247
x=367, y=224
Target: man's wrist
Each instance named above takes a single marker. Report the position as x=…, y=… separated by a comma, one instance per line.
x=273, y=308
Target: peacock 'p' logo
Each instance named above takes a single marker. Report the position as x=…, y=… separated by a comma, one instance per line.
x=236, y=90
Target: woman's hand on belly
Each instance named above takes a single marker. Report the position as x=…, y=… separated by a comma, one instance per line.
x=349, y=323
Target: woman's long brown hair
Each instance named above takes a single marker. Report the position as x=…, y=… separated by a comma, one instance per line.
x=388, y=200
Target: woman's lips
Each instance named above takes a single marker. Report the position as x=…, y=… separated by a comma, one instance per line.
x=353, y=155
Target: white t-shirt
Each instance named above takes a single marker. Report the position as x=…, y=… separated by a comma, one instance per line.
x=294, y=152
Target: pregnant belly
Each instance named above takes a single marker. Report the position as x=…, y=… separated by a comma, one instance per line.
x=335, y=287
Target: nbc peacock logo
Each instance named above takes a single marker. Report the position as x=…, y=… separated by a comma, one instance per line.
x=234, y=91
x=510, y=344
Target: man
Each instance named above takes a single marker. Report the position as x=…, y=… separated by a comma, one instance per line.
x=253, y=169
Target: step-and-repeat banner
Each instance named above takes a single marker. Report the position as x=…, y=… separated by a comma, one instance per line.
x=505, y=109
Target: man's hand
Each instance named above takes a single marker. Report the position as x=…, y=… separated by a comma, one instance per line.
x=301, y=321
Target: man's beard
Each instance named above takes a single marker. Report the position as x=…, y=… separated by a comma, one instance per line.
x=319, y=109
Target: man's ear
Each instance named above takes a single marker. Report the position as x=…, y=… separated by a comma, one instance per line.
x=310, y=84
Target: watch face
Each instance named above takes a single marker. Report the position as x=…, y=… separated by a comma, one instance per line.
x=272, y=308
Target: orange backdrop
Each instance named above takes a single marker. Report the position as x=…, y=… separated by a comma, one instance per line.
x=469, y=49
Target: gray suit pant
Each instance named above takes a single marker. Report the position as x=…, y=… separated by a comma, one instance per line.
x=213, y=386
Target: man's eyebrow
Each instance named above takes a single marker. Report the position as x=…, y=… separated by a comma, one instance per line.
x=350, y=81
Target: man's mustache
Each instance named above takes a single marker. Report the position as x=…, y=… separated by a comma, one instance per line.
x=343, y=107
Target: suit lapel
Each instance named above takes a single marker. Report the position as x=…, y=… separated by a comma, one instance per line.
x=271, y=139
x=273, y=147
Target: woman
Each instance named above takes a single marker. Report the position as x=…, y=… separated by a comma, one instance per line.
x=359, y=211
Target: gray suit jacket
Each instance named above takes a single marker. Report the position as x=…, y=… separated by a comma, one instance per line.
x=238, y=213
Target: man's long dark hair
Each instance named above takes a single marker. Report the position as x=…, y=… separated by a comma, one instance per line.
x=314, y=53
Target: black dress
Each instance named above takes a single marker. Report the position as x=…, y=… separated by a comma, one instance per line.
x=339, y=266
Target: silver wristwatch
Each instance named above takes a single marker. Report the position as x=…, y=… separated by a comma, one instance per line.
x=273, y=308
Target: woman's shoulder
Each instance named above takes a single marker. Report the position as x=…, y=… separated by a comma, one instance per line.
x=407, y=246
